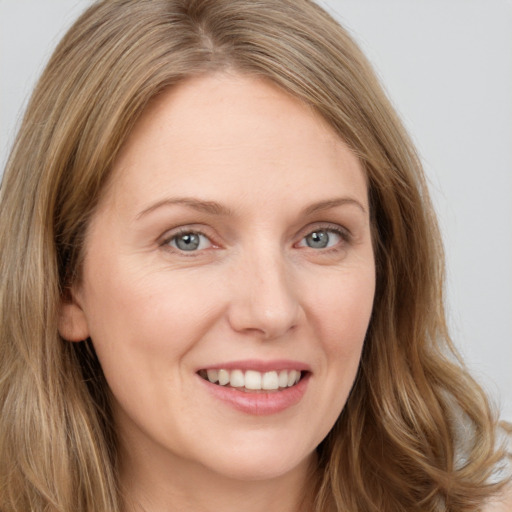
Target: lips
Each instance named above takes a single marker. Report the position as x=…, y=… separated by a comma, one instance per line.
x=256, y=387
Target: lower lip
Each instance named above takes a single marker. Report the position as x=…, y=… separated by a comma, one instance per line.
x=262, y=403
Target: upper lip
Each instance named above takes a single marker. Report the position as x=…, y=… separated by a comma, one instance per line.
x=259, y=365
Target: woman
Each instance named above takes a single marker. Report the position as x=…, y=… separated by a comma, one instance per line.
x=222, y=279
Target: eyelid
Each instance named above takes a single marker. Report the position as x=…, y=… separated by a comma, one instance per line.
x=343, y=242
x=164, y=240
x=174, y=241
x=344, y=232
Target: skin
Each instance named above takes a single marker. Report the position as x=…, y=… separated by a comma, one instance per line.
x=254, y=290
x=502, y=502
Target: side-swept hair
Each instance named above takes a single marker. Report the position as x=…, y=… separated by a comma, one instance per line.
x=394, y=446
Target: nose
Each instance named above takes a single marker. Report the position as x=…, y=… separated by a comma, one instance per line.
x=264, y=299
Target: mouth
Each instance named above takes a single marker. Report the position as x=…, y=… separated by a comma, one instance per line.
x=253, y=381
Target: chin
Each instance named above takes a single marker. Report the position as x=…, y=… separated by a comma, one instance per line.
x=247, y=469
x=260, y=457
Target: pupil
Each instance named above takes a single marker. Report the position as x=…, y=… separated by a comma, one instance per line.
x=188, y=242
x=318, y=239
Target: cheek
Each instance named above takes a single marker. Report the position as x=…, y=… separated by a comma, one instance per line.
x=131, y=290
x=144, y=320
x=142, y=329
x=343, y=310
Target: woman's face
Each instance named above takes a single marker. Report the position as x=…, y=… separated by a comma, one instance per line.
x=233, y=243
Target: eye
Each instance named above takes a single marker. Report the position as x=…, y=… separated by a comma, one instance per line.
x=190, y=241
x=321, y=239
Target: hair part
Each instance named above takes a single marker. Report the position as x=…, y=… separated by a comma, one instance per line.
x=393, y=446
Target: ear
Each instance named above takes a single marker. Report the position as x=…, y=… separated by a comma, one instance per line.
x=72, y=323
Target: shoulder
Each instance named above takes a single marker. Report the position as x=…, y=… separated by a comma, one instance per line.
x=502, y=503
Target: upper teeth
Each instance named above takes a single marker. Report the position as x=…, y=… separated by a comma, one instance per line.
x=252, y=379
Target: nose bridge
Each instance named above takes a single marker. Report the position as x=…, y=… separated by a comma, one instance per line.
x=264, y=299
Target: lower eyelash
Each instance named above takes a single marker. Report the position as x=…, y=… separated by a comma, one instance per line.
x=166, y=243
x=344, y=234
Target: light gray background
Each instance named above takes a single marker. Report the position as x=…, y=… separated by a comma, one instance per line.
x=447, y=66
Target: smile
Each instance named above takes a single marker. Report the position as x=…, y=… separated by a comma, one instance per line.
x=252, y=380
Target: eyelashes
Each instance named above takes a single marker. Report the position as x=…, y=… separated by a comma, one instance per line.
x=325, y=238
x=322, y=238
x=190, y=241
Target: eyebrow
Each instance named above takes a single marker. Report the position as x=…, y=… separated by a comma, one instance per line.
x=214, y=208
x=209, y=207
x=333, y=203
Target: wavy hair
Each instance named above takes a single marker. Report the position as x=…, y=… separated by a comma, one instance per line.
x=394, y=447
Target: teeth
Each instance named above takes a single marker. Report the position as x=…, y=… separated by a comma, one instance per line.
x=270, y=381
x=223, y=377
x=292, y=377
x=213, y=375
x=237, y=379
x=252, y=379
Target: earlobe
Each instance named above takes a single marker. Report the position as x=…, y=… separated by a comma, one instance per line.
x=72, y=323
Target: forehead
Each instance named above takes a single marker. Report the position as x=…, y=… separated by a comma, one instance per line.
x=217, y=132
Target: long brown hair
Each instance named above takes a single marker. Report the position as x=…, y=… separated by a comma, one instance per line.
x=394, y=446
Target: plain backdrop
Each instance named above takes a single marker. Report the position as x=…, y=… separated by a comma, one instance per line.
x=447, y=67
